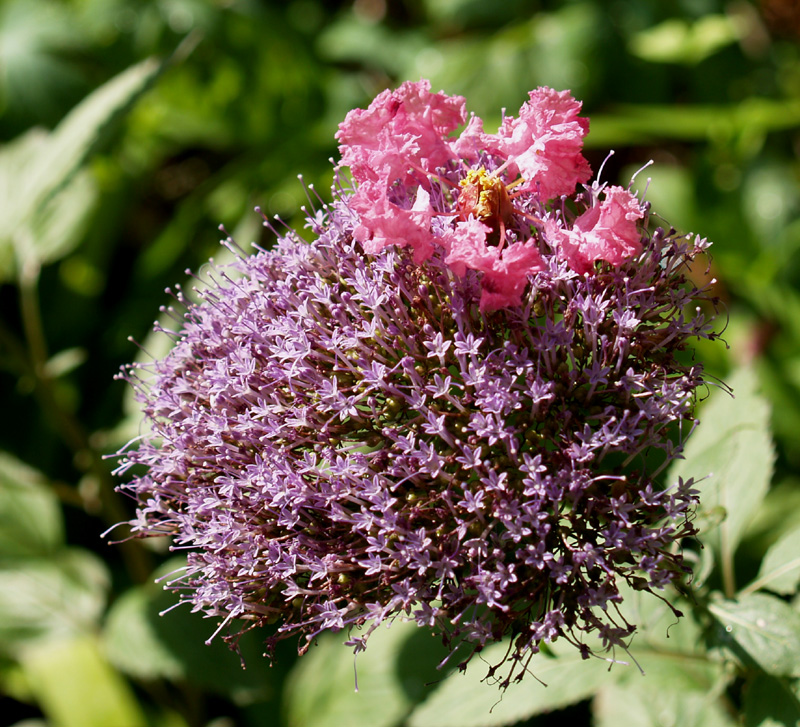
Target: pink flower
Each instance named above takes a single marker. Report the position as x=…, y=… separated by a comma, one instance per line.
x=402, y=127
x=480, y=196
x=473, y=139
x=505, y=271
x=607, y=231
x=545, y=143
x=398, y=139
x=387, y=224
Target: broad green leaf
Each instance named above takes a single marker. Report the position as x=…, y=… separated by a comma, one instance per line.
x=658, y=629
x=650, y=705
x=30, y=515
x=41, y=599
x=762, y=627
x=392, y=675
x=61, y=222
x=680, y=683
x=86, y=127
x=13, y=682
x=42, y=196
x=76, y=687
x=145, y=644
x=677, y=41
x=771, y=702
x=551, y=682
x=778, y=515
x=731, y=458
x=780, y=569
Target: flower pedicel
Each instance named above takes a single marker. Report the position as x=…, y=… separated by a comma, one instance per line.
x=451, y=406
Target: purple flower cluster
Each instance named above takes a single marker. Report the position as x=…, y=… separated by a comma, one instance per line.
x=341, y=438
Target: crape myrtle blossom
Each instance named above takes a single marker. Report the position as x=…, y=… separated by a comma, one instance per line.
x=451, y=406
x=488, y=187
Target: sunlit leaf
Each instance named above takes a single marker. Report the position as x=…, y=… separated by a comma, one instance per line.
x=30, y=515
x=552, y=682
x=650, y=705
x=61, y=223
x=780, y=569
x=46, y=201
x=76, y=687
x=731, y=458
x=86, y=127
x=678, y=41
x=392, y=675
x=778, y=515
x=676, y=683
x=658, y=629
x=142, y=642
x=763, y=628
x=42, y=599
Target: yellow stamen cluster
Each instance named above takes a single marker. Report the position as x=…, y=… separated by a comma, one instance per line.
x=485, y=196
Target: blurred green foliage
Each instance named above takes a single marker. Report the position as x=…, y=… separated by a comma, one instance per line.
x=131, y=129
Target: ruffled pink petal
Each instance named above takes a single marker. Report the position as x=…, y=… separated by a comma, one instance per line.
x=505, y=272
x=545, y=142
x=608, y=231
x=387, y=224
x=466, y=246
x=504, y=285
x=473, y=139
x=409, y=124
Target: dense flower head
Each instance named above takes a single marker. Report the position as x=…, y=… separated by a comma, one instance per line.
x=451, y=406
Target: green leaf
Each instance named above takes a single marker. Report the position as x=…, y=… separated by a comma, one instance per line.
x=86, y=127
x=778, y=515
x=41, y=599
x=76, y=687
x=732, y=449
x=552, y=682
x=41, y=193
x=145, y=644
x=658, y=629
x=392, y=673
x=679, y=684
x=650, y=705
x=630, y=125
x=762, y=628
x=771, y=702
x=30, y=515
x=780, y=569
x=61, y=222
x=676, y=41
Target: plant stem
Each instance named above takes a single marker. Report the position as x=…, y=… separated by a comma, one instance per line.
x=66, y=424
